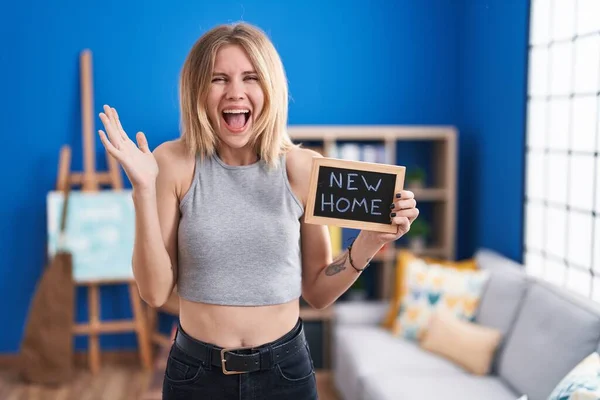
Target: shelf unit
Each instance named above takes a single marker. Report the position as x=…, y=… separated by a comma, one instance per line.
x=441, y=194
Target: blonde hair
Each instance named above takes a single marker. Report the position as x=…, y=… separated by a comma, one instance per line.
x=269, y=138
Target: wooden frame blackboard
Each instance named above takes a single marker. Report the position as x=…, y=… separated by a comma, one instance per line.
x=353, y=194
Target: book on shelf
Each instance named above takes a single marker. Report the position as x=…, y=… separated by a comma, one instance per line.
x=335, y=232
x=373, y=153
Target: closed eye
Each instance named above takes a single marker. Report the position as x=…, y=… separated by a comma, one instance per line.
x=223, y=79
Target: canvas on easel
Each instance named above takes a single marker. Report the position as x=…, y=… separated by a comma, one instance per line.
x=99, y=234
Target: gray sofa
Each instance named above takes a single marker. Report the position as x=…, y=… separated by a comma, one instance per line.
x=546, y=332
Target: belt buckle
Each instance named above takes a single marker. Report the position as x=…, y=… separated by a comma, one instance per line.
x=223, y=361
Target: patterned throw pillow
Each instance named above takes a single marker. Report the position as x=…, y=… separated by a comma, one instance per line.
x=404, y=258
x=430, y=287
x=582, y=383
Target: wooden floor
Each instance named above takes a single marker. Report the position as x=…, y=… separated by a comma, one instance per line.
x=114, y=382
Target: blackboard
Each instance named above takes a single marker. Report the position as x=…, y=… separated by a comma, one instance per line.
x=353, y=194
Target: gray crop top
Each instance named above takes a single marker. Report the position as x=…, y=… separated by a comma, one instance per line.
x=239, y=235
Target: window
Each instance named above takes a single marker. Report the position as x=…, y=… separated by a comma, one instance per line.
x=562, y=203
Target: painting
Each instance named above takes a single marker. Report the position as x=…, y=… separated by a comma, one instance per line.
x=100, y=230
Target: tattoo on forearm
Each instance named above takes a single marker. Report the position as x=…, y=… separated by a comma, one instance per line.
x=337, y=265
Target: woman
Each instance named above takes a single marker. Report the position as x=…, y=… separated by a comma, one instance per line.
x=219, y=214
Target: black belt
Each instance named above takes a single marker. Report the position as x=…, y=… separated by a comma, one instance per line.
x=262, y=358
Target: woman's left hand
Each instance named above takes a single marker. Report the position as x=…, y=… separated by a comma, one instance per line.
x=403, y=211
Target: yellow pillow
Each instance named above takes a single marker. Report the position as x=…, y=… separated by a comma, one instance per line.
x=465, y=343
x=404, y=258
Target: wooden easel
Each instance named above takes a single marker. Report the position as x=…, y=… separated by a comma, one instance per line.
x=90, y=181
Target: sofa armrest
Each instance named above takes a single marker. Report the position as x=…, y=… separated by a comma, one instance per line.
x=371, y=312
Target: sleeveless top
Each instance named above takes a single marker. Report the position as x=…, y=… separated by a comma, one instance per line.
x=239, y=235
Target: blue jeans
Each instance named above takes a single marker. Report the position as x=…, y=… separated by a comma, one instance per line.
x=282, y=369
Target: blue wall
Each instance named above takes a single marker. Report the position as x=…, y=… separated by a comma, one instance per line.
x=350, y=62
x=494, y=37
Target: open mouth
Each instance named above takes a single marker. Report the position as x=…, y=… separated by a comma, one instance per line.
x=236, y=120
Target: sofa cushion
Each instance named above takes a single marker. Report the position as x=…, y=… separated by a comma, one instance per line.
x=432, y=287
x=502, y=296
x=391, y=386
x=404, y=258
x=553, y=332
x=503, y=293
x=468, y=344
x=361, y=352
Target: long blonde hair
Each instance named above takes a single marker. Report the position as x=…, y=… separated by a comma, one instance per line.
x=269, y=137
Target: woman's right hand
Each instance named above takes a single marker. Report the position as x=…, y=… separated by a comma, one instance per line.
x=137, y=161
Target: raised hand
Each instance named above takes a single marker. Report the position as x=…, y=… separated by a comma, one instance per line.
x=403, y=211
x=137, y=161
